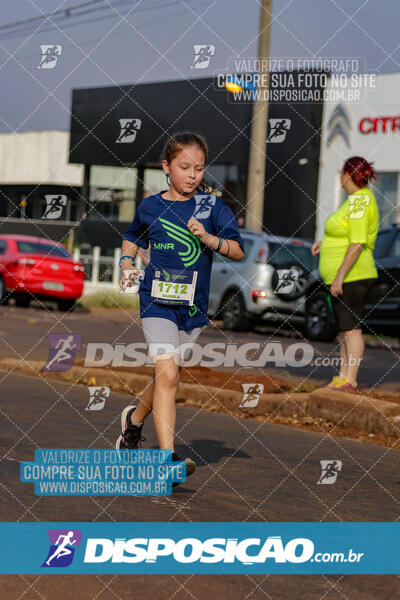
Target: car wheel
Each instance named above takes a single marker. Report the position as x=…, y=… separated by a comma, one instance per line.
x=290, y=288
x=66, y=305
x=233, y=313
x=22, y=300
x=319, y=324
x=3, y=295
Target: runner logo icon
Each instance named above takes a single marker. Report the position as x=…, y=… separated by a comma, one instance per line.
x=97, y=397
x=61, y=551
x=202, y=55
x=204, y=205
x=251, y=394
x=278, y=129
x=50, y=55
x=330, y=470
x=129, y=129
x=357, y=206
x=62, y=351
x=54, y=206
x=286, y=280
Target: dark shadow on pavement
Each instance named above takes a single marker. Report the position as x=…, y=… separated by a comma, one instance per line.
x=209, y=451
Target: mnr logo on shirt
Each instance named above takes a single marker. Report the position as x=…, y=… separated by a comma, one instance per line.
x=193, y=250
x=163, y=246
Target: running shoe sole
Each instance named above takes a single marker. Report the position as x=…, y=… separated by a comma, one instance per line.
x=123, y=425
x=190, y=466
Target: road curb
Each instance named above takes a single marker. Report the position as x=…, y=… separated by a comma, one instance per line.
x=358, y=411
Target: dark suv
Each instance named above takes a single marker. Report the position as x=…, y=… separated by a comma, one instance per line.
x=382, y=311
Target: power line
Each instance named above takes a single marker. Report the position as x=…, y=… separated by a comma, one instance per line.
x=129, y=29
x=146, y=23
x=64, y=11
x=65, y=24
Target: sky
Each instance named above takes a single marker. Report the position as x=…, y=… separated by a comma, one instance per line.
x=115, y=42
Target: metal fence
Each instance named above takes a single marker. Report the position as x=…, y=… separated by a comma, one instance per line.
x=101, y=272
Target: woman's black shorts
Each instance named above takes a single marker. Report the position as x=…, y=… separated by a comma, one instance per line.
x=349, y=307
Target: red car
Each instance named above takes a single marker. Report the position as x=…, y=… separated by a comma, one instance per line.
x=37, y=268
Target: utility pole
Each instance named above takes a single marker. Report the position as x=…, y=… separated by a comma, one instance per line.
x=258, y=139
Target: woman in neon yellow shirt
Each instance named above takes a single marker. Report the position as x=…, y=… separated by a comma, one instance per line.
x=347, y=265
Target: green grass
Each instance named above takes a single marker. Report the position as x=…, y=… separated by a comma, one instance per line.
x=110, y=299
x=305, y=387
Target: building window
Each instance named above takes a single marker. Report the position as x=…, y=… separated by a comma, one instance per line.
x=112, y=193
x=385, y=189
x=3, y=204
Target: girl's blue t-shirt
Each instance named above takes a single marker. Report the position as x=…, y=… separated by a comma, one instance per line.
x=163, y=223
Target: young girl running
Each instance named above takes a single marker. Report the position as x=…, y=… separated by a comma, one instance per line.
x=184, y=226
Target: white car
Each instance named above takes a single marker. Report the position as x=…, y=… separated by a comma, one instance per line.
x=268, y=284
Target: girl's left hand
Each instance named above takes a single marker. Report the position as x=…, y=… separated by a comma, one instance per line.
x=336, y=288
x=144, y=258
x=197, y=228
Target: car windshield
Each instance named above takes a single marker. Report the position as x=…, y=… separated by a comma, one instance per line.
x=280, y=254
x=46, y=249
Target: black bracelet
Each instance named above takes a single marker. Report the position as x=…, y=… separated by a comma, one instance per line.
x=229, y=248
x=219, y=244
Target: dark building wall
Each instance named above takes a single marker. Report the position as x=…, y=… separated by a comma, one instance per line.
x=291, y=188
x=99, y=233
x=11, y=196
x=12, y=222
x=164, y=108
x=58, y=232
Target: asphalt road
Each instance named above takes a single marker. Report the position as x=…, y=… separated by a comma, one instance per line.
x=247, y=471
x=23, y=335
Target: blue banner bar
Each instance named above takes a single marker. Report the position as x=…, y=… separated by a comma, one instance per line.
x=205, y=548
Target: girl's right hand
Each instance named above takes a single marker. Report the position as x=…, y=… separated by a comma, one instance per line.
x=315, y=248
x=128, y=278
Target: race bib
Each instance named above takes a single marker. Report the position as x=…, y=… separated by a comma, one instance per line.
x=174, y=287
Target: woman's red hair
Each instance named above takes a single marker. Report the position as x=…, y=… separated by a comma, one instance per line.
x=360, y=170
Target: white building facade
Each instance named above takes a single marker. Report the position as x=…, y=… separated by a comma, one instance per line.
x=369, y=128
